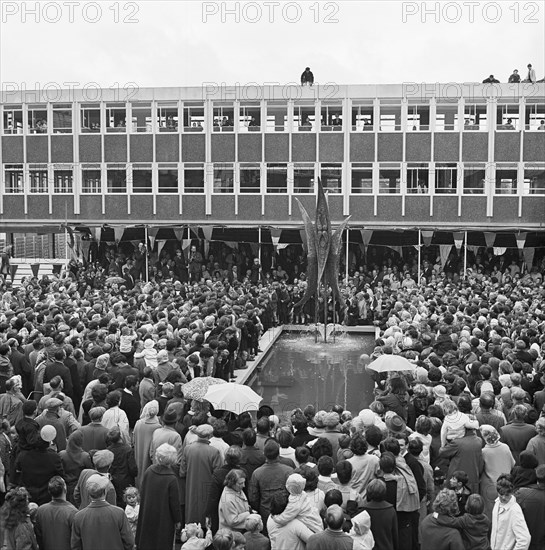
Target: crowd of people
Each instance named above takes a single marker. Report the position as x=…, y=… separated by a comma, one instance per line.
x=101, y=445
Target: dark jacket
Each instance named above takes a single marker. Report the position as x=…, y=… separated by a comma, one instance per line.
x=123, y=470
x=383, y=524
x=532, y=501
x=35, y=468
x=54, y=525
x=474, y=529
x=55, y=368
x=517, y=434
x=439, y=537
x=100, y=522
x=465, y=454
x=252, y=458
x=131, y=405
x=160, y=507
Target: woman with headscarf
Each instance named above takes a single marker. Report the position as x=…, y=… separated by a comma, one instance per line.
x=74, y=460
x=143, y=435
x=497, y=460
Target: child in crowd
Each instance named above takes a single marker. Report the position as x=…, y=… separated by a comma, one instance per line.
x=455, y=423
x=255, y=540
x=458, y=483
x=423, y=429
x=474, y=524
x=299, y=505
x=361, y=532
x=192, y=537
x=126, y=339
x=131, y=496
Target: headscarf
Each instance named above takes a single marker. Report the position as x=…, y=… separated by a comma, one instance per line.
x=151, y=409
x=490, y=434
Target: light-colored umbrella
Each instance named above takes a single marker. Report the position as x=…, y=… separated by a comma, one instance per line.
x=115, y=279
x=196, y=388
x=388, y=363
x=232, y=397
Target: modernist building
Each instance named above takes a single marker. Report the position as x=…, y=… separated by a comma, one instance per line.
x=449, y=157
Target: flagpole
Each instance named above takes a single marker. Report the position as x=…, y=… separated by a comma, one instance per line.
x=146, y=252
x=419, y=256
x=259, y=237
x=347, y=251
x=465, y=255
x=67, y=254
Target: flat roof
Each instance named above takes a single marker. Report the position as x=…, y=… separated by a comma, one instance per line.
x=219, y=91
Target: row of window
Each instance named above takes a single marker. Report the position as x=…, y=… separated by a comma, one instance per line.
x=392, y=178
x=277, y=117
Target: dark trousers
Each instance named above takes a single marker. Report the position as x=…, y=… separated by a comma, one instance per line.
x=407, y=527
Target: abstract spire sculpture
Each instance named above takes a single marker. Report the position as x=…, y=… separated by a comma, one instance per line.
x=322, y=257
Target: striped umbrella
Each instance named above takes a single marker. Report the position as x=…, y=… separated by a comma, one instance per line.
x=196, y=388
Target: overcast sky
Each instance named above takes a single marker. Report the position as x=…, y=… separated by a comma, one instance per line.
x=184, y=43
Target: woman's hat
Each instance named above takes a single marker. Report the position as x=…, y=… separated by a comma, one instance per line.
x=395, y=423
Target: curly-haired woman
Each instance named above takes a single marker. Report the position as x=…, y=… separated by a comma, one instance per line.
x=15, y=521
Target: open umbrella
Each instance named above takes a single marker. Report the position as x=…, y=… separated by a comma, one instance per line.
x=115, y=279
x=388, y=363
x=232, y=397
x=196, y=388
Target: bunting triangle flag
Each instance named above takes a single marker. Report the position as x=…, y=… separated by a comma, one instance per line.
x=179, y=233
x=152, y=241
x=489, y=237
x=35, y=269
x=275, y=236
x=499, y=250
x=160, y=244
x=118, y=233
x=521, y=240
x=444, y=252
x=97, y=233
x=395, y=248
x=186, y=243
x=366, y=236
x=458, y=237
x=281, y=246
x=427, y=236
x=207, y=231
x=57, y=269
x=13, y=270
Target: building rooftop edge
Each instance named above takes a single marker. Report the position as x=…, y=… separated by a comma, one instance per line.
x=53, y=92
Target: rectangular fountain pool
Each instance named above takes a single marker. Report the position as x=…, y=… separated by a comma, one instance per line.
x=297, y=371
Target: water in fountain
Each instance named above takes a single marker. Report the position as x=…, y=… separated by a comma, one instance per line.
x=297, y=371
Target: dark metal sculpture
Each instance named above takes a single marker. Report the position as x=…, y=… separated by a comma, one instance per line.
x=322, y=257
